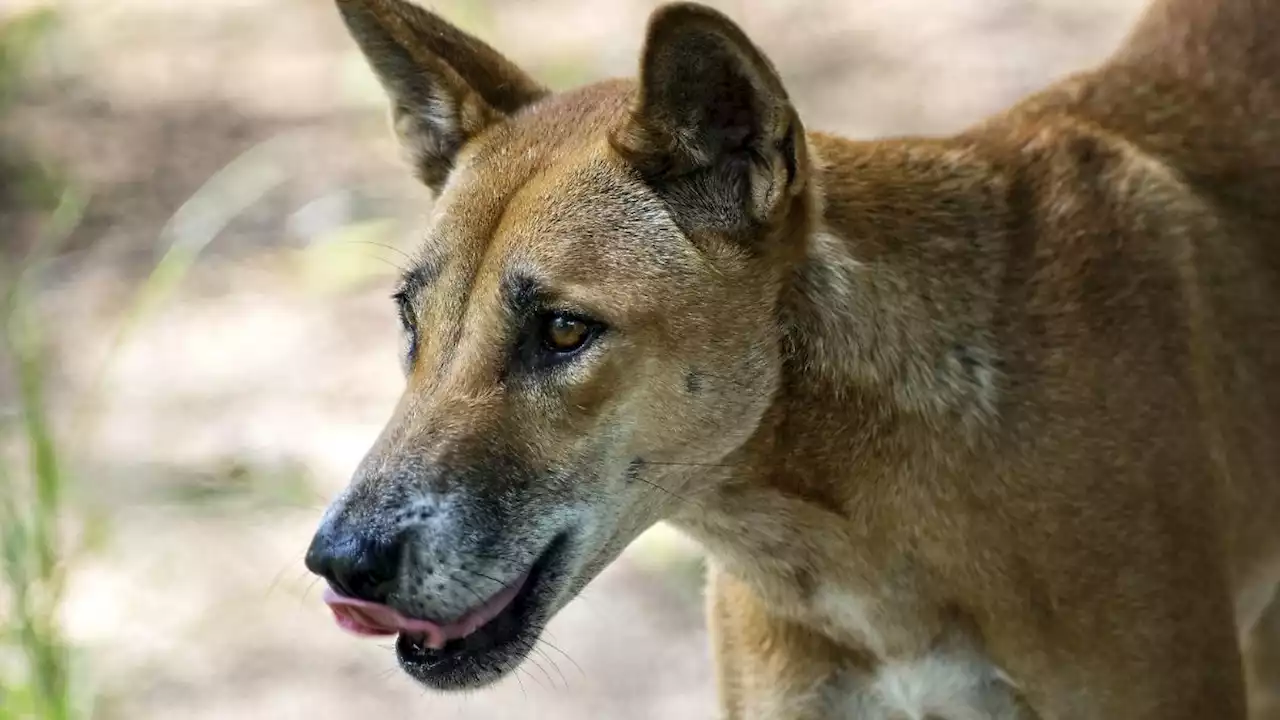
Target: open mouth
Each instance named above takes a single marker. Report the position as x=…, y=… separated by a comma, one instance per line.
x=475, y=649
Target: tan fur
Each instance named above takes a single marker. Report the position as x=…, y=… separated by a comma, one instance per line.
x=984, y=426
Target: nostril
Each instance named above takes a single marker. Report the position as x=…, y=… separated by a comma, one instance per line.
x=357, y=566
x=372, y=576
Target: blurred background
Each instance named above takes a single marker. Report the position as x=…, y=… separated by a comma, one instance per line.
x=201, y=218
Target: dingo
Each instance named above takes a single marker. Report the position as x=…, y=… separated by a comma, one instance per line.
x=977, y=427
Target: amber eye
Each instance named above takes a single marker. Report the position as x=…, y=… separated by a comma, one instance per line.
x=564, y=333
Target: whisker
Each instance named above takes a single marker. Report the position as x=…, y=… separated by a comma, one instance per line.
x=390, y=247
x=279, y=576
x=672, y=493
x=310, y=586
x=564, y=680
x=673, y=463
x=395, y=266
x=550, y=681
x=524, y=693
x=401, y=268
x=496, y=558
x=491, y=579
x=479, y=598
x=546, y=642
x=529, y=645
x=531, y=676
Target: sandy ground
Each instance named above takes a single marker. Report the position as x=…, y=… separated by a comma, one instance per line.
x=233, y=412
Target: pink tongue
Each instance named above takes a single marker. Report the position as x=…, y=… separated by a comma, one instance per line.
x=362, y=617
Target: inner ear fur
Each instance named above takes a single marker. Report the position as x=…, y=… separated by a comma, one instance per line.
x=712, y=126
x=445, y=86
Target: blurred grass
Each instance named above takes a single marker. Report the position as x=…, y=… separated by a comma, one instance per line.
x=241, y=485
x=20, y=36
x=36, y=664
x=37, y=680
x=40, y=672
x=22, y=181
x=204, y=215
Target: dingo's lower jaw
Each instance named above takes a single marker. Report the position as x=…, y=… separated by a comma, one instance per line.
x=501, y=644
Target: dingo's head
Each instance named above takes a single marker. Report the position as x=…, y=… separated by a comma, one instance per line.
x=593, y=308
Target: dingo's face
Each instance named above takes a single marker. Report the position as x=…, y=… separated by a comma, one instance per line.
x=593, y=308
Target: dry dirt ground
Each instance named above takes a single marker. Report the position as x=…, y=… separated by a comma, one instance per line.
x=233, y=411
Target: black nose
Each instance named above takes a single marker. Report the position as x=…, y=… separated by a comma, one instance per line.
x=356, y=562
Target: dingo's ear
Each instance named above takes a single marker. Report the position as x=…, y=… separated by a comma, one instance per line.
x=712, y=127
x=445, y=86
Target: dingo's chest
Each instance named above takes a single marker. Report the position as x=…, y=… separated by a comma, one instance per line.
x=912, y=677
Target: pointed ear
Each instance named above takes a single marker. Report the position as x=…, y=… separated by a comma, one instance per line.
x=712, y=127
x=445, y=86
